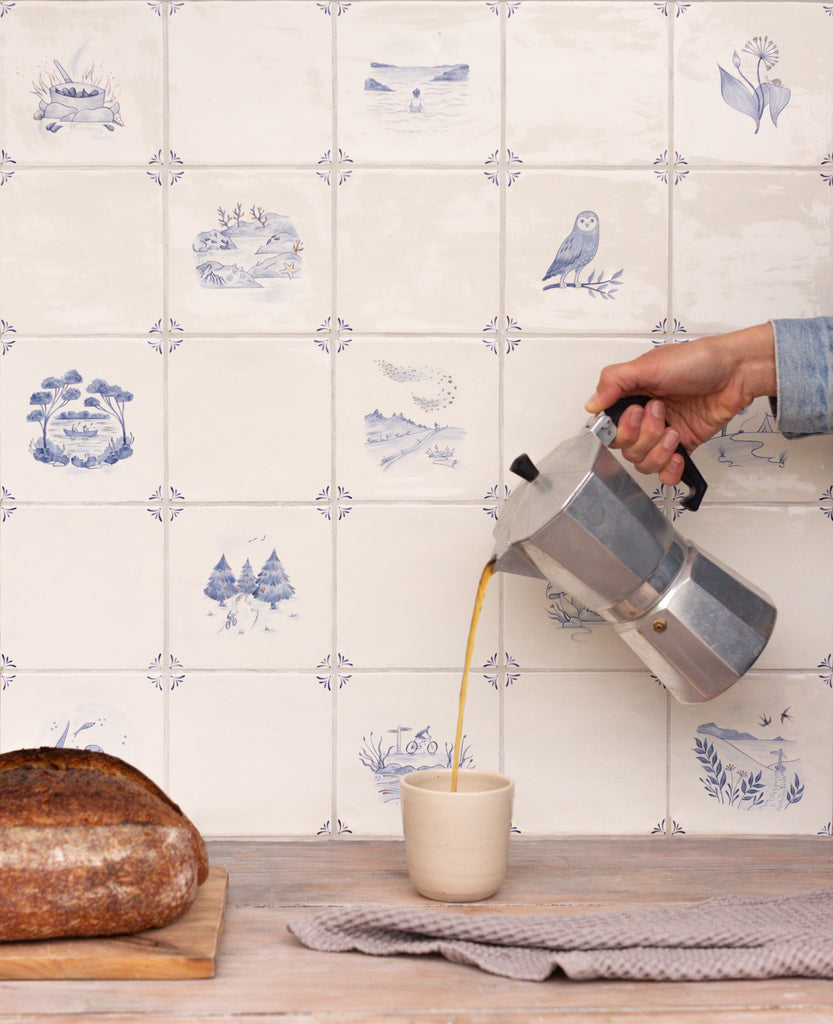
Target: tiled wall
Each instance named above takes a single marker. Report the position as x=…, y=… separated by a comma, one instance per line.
x=274, y=323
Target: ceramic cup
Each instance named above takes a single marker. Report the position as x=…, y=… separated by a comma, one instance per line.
x=456, y=844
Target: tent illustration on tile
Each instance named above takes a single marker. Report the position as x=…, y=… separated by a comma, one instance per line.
x=66, y=100
x=250, y=249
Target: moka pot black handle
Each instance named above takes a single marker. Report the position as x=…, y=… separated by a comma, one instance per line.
x=692, y=477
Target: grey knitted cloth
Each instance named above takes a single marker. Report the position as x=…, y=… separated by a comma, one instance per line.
x=718, y=939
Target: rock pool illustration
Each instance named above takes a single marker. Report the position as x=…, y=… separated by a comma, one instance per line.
x=248, y=249
x=88, y=98
x=415, y=99
x=90, y=726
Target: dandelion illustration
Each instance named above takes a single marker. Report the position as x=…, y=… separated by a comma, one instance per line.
x=750, y=98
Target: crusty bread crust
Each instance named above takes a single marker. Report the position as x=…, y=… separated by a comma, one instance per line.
x=90, y=846
x=57, y=760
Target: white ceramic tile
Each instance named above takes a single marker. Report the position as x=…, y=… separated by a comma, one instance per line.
x=81, y=587
x=407, y=578
x=81, y=251
x=774, y=57
x=51, y=54
x=240, y=764
x=418, y=250
x=786, y=552
x=587, y=83
x=587, y=753
x=622, y=266
x=258, y=426
x=251, y=83
x=282, y=621
x=250, y=251
x=751, y=246
x=419, y=82
x=392, y=723
x=754, y=760
x=121, y=714
x=107, y=451
x=417, y=418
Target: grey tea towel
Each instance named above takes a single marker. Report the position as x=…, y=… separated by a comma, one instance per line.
x=722, y=938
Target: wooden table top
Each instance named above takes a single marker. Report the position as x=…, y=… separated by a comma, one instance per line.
x=264, y=976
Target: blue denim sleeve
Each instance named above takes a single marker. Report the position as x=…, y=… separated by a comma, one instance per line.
x=804, y=368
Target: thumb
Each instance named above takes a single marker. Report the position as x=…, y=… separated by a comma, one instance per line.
x=614, y=381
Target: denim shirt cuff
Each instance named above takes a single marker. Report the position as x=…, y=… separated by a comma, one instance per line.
x=804, y=370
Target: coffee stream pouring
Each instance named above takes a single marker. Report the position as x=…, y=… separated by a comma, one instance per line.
x=582, y=522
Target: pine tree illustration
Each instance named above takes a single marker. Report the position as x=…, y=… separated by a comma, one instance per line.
x=272, y=582
x=221, y=583
x=246, y=581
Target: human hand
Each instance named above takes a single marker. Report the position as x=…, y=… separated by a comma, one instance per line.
x=697, y=387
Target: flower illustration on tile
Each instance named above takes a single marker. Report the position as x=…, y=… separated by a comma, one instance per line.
x=414, y=99
x=85, y=437
x=251, y=599
x=510, y=168
x=746, y=771
x=827, y=169
x=86, y=97
x=6, y=677
x=752, y=97
x=173, y=676
x=6, y=173
x=164, y=171
x=567, y=612
x=412, y=749
x=264, y=248
x=512, y=340
x=393, y=437
x=327, y=333
x=576, y=252
x=669, y=500
x=496, y=670
x=325, y=679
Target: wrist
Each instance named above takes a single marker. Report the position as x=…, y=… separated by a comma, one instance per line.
x=753, y=352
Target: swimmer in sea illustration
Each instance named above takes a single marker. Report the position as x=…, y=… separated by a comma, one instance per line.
x=417, y=106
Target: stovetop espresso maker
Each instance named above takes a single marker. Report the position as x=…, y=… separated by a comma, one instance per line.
x=582, y=522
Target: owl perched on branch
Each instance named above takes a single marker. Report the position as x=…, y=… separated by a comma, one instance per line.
x=576, y=251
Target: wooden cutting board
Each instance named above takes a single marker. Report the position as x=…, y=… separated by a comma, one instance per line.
x=185, y=949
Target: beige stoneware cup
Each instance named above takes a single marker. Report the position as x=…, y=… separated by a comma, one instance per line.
x=456, y=844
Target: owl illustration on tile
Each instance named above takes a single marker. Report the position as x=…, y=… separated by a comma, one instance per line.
x=577, y=249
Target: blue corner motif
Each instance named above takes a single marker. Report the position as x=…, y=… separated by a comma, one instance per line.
x=752, y=97
x=266, y=249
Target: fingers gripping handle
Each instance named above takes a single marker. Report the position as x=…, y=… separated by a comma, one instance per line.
x=692, y=476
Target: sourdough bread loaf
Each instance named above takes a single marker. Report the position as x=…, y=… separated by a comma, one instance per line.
x=90, y=846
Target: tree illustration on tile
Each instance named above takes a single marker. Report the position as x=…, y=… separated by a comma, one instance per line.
x=250, y=601
x=414, y=99
x=265, y=245
x=93, y=435
x=87, y=98
x=394, y=437
x=753, y=96
x=575, y=253
x=747, y=771
x=412, y=750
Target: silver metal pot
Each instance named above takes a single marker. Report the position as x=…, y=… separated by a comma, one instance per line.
x=581, y=521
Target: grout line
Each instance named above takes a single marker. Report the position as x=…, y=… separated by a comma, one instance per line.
x=165, y=341
x=334, y=342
